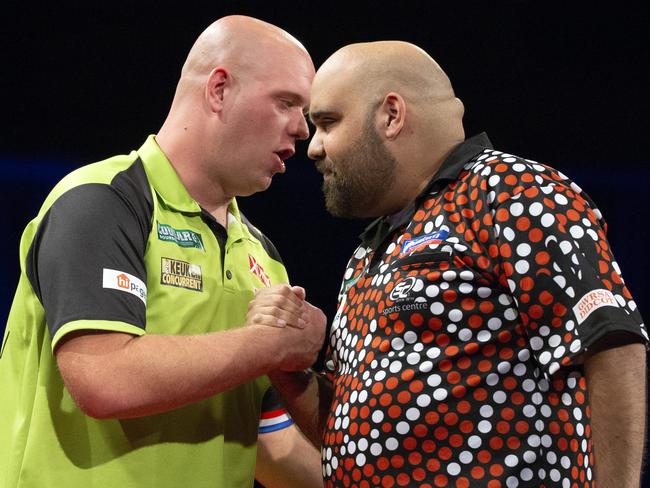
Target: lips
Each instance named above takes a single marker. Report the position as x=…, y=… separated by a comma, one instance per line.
x=286, y=153
x=281, y=156
x=325, y=168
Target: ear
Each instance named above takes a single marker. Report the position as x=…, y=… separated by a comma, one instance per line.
x=392, y=114
x=215, y=88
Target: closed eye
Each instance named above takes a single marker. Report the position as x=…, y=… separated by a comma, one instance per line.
x=324, y=119
x=325, y=124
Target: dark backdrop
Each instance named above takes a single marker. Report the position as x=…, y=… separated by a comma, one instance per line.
x=562, y=85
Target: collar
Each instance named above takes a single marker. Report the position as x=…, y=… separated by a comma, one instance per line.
x=164, y=179
x=170, y=188
x=236, y=228
x=381, y=228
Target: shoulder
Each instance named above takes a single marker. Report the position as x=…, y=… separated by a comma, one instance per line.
x=103, y=173
x=118, y=180
x=502, y=176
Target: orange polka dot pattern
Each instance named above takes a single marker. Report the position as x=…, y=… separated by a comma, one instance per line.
x=452, y=351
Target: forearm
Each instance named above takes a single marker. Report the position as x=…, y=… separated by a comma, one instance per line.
x=155, y=373
x=286, y=459
x=308, y=398
x=616, y=380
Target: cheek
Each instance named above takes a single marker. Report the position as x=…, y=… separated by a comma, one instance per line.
x=336, y=148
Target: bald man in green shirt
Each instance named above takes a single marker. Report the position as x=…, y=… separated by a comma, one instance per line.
x=128, y=359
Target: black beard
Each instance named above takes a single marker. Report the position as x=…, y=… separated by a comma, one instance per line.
x=361, y=176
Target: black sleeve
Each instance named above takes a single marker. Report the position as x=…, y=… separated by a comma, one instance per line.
x=561, y=271
x=271, y=401
x=86, y=261
x=274, y=416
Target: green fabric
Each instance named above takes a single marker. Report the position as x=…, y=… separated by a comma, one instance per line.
x=46, y=441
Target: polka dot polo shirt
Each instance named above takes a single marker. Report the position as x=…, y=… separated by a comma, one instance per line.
x=455, y=349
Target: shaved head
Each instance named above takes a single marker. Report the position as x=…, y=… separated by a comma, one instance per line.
x=239, y=43
x=390, y=100
x=373, y=69
x=238, y=109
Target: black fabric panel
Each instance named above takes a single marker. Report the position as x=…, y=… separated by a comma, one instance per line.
x=133, y=185
x=89, y=228
x=219, y=232
x=271, y=400
x=266, y=243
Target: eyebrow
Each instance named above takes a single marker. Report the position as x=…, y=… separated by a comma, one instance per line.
x=320, y=114
x=295, y=97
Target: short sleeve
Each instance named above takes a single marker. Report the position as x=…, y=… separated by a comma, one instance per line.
x=274, y=415
x=86, y=262
x=562, y=273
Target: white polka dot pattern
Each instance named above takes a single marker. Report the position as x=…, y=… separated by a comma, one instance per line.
x=450, y=361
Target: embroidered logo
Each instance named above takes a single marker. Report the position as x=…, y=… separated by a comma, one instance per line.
x=257, y=270
x=119, y=280
x=402, y=289
x=419, y=242
x=181, y=274
x=181, y=237
x=591, y=302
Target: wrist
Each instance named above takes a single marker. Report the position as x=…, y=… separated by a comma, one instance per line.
x=266, y=344
x=290, y=382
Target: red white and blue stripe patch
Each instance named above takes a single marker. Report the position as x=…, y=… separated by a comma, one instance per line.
x=274, y=420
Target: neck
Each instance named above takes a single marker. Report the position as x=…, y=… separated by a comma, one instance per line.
x=181, y=144
x=414, y=172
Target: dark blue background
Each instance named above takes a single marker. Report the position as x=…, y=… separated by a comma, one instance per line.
x=564, y=86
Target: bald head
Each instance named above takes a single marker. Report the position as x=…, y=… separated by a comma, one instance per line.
x=374, y=68
x=239, y=43
x=392, y=98
x=238, y=109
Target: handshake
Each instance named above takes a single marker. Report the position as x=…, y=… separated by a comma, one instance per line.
x=292, y=329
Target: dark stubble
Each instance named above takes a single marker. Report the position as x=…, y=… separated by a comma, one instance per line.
x=362, y=175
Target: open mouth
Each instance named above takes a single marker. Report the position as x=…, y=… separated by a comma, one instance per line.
x=285, y=154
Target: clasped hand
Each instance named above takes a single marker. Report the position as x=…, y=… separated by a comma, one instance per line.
x=300, y=327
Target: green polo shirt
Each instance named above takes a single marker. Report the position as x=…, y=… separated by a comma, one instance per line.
x=120, y=245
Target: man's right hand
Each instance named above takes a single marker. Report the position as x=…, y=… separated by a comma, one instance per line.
x=298, y=327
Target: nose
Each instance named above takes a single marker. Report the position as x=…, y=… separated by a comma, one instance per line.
x=315, y=150
x=300, y=129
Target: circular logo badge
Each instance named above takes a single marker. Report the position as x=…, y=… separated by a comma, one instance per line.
x=402, y=289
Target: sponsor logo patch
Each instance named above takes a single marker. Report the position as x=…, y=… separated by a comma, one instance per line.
x=434, y=238
x=402, y=289
x=119, y=280
x=181, y=237
x=257, y=270
x=181, y=274
x=593, y=301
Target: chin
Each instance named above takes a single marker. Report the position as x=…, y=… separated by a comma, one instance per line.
x=262, y=185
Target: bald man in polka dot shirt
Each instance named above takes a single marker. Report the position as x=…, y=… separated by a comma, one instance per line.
x=484, y=335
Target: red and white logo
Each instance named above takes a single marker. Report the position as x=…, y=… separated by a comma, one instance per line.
x=257, y=270
x=119, y=280
x=593, y=301
x=123, y=281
